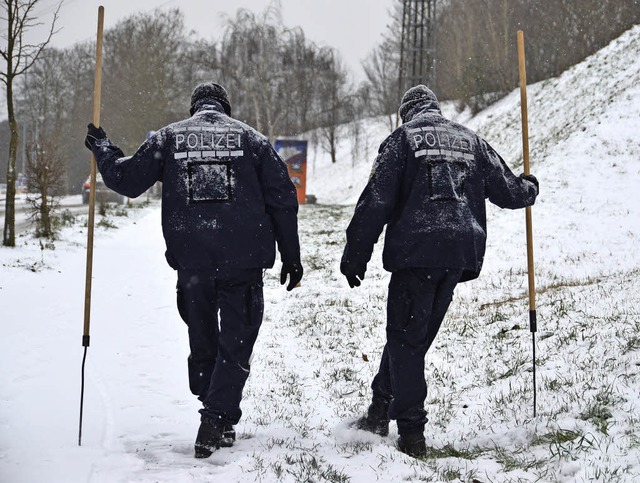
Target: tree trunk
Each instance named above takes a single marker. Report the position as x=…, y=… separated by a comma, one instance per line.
x=332, y=143
x=45, y=212
x=9, y=237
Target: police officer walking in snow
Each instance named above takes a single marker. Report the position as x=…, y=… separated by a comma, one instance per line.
x=428, y=185
x=226, y=199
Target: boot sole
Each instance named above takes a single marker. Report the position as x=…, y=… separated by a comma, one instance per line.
x=422, y=453
x=226, y=442
x=203, y=451
x=380, y=430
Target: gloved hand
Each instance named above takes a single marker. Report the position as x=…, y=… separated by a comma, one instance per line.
x=93, y=135
x=353, y=273
x=532, y=179
x=294, y=270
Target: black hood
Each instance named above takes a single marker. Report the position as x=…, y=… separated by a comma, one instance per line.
x=207, y=92
x=417, y=99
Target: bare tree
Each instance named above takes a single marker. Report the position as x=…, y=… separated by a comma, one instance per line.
x=19, y=55
x=476, y=55
x=46, y=176
x=142, y=86
x=56, y=98
x=336, y=100
x=381, y=71
x=249, y=58
x=276, y=77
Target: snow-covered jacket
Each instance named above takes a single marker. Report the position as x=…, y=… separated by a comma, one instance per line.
x=429, y=184
x=226, y=194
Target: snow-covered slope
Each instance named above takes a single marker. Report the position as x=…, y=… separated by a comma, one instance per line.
x=588, y=113
x=320, y=344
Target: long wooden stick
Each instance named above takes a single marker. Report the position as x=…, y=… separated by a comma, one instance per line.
x=97, y=94
x=525, y=155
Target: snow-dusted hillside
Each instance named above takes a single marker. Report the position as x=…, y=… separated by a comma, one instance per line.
x=592, y=103
x=309, y=374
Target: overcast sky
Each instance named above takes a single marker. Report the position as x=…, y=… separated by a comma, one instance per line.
x=353, y=27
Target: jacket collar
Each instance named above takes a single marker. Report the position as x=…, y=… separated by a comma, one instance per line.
x=208, y=105
x=422, y=108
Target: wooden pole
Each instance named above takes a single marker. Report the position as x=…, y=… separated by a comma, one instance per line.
x=97, y=94
x=525, y=157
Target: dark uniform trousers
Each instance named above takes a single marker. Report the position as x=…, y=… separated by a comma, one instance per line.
x=417, y=303
x=223, y=311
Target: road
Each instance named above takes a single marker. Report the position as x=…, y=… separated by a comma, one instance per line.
x=72, y=203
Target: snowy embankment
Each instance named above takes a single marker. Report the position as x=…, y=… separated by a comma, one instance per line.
x=321, y=343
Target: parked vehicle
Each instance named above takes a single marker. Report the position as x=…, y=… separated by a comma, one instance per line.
x=103, y=194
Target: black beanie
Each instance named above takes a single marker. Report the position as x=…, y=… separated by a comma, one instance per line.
x=210, y=91
x=417, y=95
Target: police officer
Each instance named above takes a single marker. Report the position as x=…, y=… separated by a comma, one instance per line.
x=428, y=185
x=226, y=200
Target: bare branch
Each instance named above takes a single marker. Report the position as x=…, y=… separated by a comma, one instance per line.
x=19, y=56
x=26, y=54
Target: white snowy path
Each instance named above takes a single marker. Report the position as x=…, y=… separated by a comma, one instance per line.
x=132, y=317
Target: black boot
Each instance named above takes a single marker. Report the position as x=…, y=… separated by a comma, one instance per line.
x=210, y=438
x=228, y=436
x=377, y=419
x=412, y=444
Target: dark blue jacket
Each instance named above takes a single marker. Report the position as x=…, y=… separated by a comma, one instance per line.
x=226, y=194
x=429, y=184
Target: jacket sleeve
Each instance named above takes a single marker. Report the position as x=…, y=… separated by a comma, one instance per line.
x=130, y=176
x=281, y=202
x=502, y=187
x=376, y=203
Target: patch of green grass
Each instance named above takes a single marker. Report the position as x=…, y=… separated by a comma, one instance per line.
x=450, y=451
x=517, y=460
x=632, y=344
x=356, y=447
x=559, y=436
x=598, y=412
x=310, y=468
x=497, y=316
x=449, y=474
x=599, y=415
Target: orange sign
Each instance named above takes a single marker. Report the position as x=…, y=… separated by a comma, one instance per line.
x=294, y=153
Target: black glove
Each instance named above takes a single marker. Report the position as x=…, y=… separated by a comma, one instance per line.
x=93, y=135
x=294, y=270
x=353, y=273
x=532, y=179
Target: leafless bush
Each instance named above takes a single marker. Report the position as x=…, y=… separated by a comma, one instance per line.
x=46, y=175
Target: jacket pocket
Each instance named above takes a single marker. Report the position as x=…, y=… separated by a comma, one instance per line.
x=255, y=304
x=446, y=180
x=399, y=307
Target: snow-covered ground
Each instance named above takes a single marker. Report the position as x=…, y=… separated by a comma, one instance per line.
x=320, y=344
